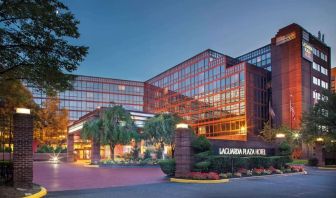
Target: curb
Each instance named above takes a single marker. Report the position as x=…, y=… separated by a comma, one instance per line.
x=274, y=175
x=192, y=181
x=41, y=193
x=326, y=168
x=91, y=166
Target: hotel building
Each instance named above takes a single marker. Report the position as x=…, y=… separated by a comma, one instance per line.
x=333, y=80
x=224, y=98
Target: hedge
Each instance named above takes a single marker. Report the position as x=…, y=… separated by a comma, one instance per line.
x=222, y=164
x=168, y=166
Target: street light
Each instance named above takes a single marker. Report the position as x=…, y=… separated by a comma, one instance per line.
x=319, y=139
x=22, y=110
x=182, y=126
x=296, y=135
x=280, y=135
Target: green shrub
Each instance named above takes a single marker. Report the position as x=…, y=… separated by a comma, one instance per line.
x=45, y=149
x=159, y=153
x=6, y=149
x=202, y=166
x=202, y=156
x=168, y=166
x=59, y=149
x=145, y=161
x=135, y=153
x=220, y=164
x=285, y=149
x=259, y=162
x=223, y=164
x=6, y=163
x=313, y=161
x=201, y=144
x=241, y=162
x=147, y=154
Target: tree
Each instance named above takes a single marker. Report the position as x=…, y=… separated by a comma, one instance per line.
x=161, y=129
x=12, y=95
x=118, y=127
x=92, y=130
x=52, y=122
x=320, y=121
x=268, y=134
x=35, y=43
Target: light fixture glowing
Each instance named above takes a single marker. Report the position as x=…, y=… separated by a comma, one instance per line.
x=296, y=135
x=333, y=141
x=54, y=158
x=280, y=135
x=22, y=110
x=319, y=139
x=182, y=126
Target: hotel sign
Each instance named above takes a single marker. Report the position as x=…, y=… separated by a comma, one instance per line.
x=242, y=151
x=307, y=51
x=284, y=39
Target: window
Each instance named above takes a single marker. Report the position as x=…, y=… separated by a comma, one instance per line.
x=121, y=87
x=316, y=66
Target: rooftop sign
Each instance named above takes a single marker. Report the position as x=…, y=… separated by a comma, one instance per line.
x=307, y=51
x=284, y=39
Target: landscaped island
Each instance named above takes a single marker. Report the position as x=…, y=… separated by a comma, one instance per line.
x=207, y=166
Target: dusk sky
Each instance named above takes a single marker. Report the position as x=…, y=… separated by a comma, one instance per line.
x=136, y=40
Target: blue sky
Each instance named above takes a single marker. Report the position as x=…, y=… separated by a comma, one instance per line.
x=139, y=39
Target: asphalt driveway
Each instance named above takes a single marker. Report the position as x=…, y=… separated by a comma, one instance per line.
x=74, y=176
x=318, y=183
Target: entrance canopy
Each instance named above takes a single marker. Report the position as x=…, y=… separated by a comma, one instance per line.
x=138, y=117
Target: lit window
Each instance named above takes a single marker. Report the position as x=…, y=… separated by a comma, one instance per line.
x=121, y=87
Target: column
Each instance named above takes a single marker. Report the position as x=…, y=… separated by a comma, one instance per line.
x=183, y=152
x=23, y=150
x=70, y=148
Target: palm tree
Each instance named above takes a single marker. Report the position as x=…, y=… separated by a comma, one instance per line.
x=118, y=126
x=161, y=129
x=93, y=130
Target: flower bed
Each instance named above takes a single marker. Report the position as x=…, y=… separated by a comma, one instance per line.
x=203, y=176
x=242, y=172
x=129, y=164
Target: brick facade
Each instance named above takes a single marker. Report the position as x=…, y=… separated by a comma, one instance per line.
x=70, y=148
x=183, y=152
x=23, y=151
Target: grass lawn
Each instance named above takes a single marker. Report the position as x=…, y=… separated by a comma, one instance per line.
x=298, y=161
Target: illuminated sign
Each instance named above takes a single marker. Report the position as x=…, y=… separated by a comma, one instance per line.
x=283, y=39
x=241, y=151
x=307, y=51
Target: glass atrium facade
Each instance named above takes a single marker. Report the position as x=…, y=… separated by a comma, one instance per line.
x=260, y=57
x=92, y=92
x=209, y=92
